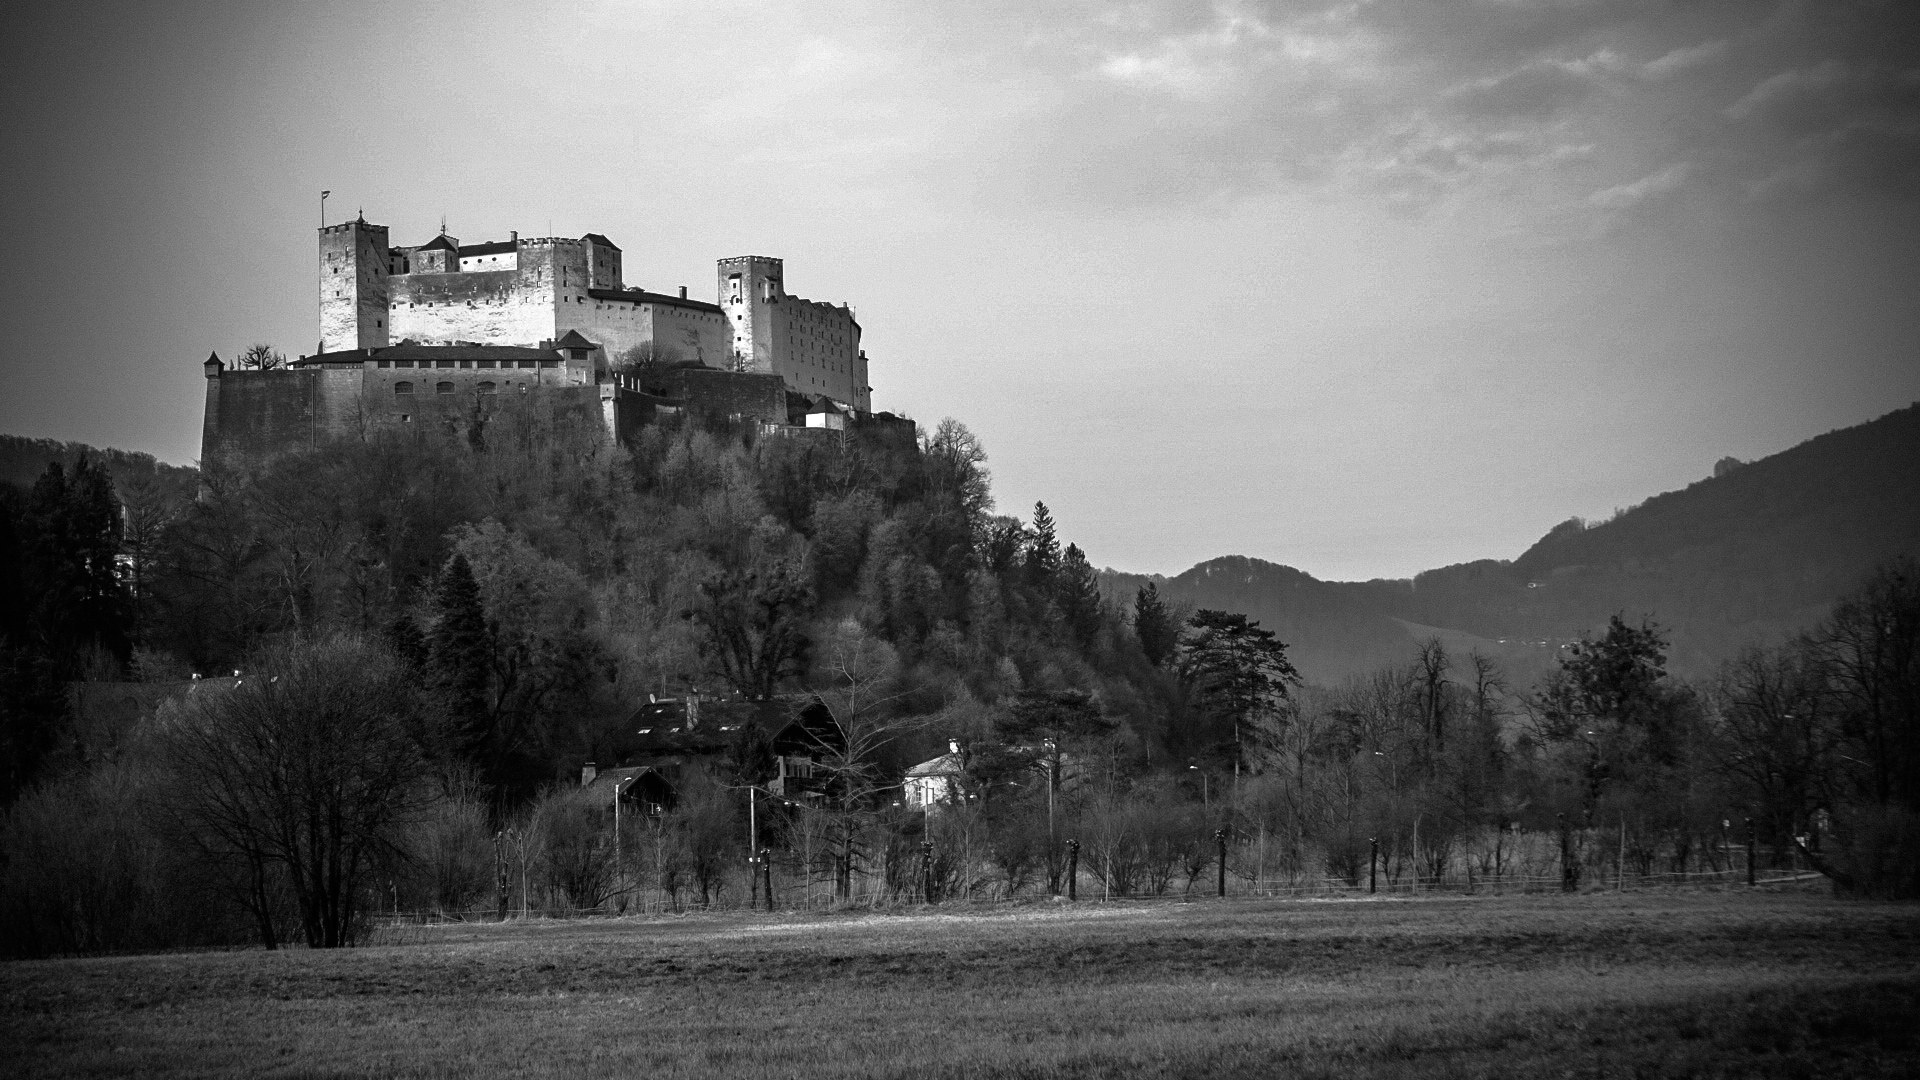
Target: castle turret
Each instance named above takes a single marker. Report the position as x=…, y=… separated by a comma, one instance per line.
x=749, y=289
x=353, y=286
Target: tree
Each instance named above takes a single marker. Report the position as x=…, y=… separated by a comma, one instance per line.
x=303, y=768
x=1153, y=625
x=1239, y=674
x=261, y=357
x=752, y=629
x=1077, y=595
x=855, y=684
x=460, y=654
x=1042, y=560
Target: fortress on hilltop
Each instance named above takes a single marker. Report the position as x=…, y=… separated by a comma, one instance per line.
x=548, y=322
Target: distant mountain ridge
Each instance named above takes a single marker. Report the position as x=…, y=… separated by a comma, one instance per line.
x=1755, y=553
x=23, y=460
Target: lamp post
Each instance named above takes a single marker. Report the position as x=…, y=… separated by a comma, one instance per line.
x=1206, y=802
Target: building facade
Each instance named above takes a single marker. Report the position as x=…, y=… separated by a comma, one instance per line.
x=523, y=291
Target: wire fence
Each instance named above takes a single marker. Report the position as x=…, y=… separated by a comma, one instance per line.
x=793, y=897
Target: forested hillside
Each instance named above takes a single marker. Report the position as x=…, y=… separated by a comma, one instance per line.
x=1760, y=552
x=371, y=674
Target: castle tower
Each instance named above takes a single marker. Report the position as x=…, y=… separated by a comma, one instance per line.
x=353, y=286
x=749, y=289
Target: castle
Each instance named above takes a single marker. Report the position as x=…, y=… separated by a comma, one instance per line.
x=548, y=321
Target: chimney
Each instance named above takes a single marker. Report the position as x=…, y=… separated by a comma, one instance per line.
x=587, y=773
x=515, y=234
x=683, y=292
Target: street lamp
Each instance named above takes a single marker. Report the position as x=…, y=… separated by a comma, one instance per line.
x=1206, y=801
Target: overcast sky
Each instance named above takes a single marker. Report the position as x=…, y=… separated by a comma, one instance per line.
x=1363, y=288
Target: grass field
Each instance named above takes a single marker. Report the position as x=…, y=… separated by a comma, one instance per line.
x=1636, y=984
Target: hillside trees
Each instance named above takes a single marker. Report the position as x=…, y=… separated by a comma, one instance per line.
x=63, y=608
x=1822, y=735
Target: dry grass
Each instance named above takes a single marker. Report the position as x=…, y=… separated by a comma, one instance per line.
x=1653, y=984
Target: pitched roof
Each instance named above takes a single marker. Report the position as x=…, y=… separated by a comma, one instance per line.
x=573, y=340
x=944, y=765
x=641, y=296
x=443, y=242
x=495, y=247
x=600, y=241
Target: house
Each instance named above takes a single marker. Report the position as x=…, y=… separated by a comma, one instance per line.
x=642, y=787
x=936, y=782
x=667, y=736
x=826, y=414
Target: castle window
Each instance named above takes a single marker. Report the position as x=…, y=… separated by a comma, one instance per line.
x=404, y=418
x=526, y=363
x=402, y=389
x=486, y=388
x=483, y=363
x=443, y=388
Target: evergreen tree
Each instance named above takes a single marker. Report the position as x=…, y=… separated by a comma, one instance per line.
x=460, y=653
x=1153, y=625
x=1043, y=552
x=1239, y=673
x=1077, y=593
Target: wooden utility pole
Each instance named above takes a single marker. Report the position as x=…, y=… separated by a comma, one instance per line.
x=1373, y=865
x=1752, y=845
x=1073, y=869
x=1220, y=838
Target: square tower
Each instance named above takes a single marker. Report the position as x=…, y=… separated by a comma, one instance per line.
x=749, y=289
x=353, y=286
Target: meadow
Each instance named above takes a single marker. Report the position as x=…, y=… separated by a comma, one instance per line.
x=1657, y=983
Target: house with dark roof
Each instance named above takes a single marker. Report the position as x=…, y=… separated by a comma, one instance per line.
x=668, y=736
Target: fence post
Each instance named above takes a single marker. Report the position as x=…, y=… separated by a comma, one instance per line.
x=1750, y=850
x=1373, y=865
x=1569, y=875
x=1220, y=837
x=766, y=868
x=1073, y=869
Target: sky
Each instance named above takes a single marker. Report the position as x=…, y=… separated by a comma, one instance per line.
x=1364, y=288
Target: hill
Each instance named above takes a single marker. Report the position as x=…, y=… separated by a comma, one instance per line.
x=22, y=460
x=1755, y=553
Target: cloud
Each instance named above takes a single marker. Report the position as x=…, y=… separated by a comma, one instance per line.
x=1785, y=88
x=1653, y=185
x=1684, y=59
x=1537, y=90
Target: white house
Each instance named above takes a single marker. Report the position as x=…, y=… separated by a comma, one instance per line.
x=934, y=782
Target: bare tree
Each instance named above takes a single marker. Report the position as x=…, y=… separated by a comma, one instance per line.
x=302, y=768
x=261, y=357
x=857, y=671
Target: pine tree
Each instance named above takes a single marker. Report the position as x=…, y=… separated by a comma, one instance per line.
x=1153, y=625
x=460, y=653
x=1043, y=552
x=1077, y=593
